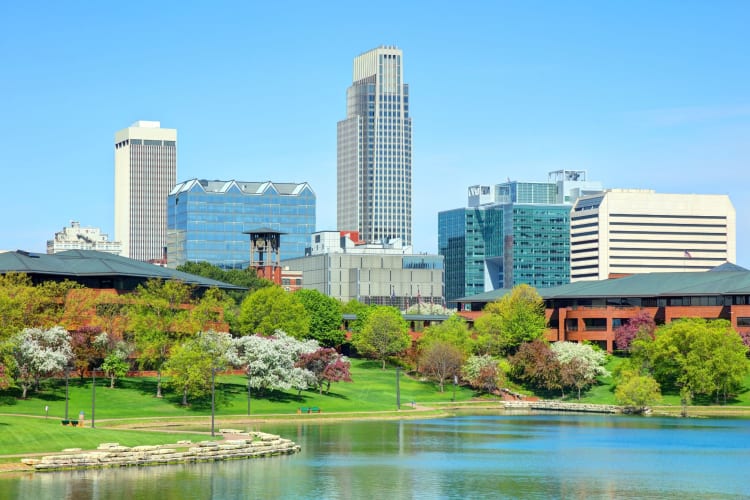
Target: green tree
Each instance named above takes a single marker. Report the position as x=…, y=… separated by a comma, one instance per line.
x=637, y=391
x=193, y=362
x=384, y=334
x=360, y=310
x=697, y=356
x=270, y=309
x=516, y=318
x=325, y=317
x=453, y=330
x=159, y=320
x=246, y=278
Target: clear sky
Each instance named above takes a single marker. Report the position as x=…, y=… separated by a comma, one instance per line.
x=640, y=94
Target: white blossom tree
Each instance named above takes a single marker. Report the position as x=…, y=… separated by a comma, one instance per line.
x=580, y=363
x=270, y=361
x=115, y=353
x=39, y=353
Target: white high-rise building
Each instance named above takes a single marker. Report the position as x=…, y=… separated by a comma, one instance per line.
x=145, y=173
x=632, y=231
x=374, y=174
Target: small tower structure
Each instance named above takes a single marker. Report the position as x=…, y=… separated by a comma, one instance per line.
x=265, y=255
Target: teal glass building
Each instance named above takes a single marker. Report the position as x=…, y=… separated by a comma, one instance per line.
x=206, y=220
x=511, y=233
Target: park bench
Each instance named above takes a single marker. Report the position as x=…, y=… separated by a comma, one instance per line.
x=73, y=423
x=305, y=409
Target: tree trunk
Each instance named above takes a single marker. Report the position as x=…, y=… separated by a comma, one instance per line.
x=441, y=385
x=112, y=381
x=184, y=396
x=25, y=388
x=383, y=363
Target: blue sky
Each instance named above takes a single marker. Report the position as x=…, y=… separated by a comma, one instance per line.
x=641, y=94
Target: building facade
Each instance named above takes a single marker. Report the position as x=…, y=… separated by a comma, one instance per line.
x=76, y=237
x=384, y=274
x=630, y=231
x=145, y=172
x=511, y=233
x=374, y=150
x=208, y=220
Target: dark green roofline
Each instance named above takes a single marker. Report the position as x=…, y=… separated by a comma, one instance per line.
x=97, y=270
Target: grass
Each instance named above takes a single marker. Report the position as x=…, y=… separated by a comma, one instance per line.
x=132, y=404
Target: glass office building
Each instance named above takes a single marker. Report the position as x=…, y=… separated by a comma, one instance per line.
x=207, y=220
x=374, y=182
x=512, y=233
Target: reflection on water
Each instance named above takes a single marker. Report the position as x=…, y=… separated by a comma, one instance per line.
x=538, y=456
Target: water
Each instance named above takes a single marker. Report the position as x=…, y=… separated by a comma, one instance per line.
x=507, y=456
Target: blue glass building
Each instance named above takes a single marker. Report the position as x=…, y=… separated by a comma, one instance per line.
x=206, y=220
x=511, y=233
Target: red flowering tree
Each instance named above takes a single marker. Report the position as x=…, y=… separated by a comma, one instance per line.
x=326, y=365
x=641, y=325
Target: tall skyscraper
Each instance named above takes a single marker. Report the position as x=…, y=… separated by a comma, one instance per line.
x=145, y=173
x=374, y=150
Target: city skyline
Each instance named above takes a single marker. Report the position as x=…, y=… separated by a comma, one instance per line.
x=640, y=95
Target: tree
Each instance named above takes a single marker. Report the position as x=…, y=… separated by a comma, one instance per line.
x=326, y=365
x=441, y=360
x=641, y=325
x=21, y=304
x=384, y=334
x=483, y=373
x=270, y=309
x=697, y=356
x=193, y=362
x=85, y=353
x=637, y=391
x=516, y=318
x=325, y=317
x=535, y=364
x=159, y=320
x=453, y=330
x=116, y=354
x=580, y=364
x=360, y=310
x=270, y=361
x=39, y=353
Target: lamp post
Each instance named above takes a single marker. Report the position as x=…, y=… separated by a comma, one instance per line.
x=213, y=397
x=398, y=389
x=93, y=397
x=67, y=394
x=248, y=391
x=455, y=381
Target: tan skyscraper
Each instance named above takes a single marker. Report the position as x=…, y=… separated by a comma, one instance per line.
x=374, y=182
x=145, y=172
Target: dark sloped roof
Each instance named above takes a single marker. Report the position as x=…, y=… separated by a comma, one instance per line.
x=90, y=263
x=728, y=279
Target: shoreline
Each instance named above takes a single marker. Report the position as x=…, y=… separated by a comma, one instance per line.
x=253, y=422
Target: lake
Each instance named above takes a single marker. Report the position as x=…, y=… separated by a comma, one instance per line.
x=497, y=456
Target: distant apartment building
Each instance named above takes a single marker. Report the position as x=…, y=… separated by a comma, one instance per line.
x=374, y=163
x=630, y=231
x=208, y=221
x=341, y=266
x=511, y=233
x=76, y=237
x=145, y=172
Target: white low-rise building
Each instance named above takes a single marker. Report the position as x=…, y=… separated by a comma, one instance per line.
x=338, y=265
x=76, y=237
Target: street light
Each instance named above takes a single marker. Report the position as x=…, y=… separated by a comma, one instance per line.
x=248, y=391
x=213, y=397
x=67, y=394
x=93, y=397
x=398, y=388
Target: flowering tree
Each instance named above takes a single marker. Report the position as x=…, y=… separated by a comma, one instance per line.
x=85, y=353
x=326, y=365
x=270, y=361
x=115, y=353
x=483, y=373
x=40, y=353
x=640, y=325
x=580, y=364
